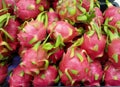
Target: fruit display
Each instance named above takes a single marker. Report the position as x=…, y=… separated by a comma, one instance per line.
x=59, y=43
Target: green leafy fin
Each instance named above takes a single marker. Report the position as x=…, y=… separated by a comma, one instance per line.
x=80, y=57
x=42, y=76
x=95, y=48
x=22, y=73
x=74, y=71
x=96, y=76
x=57, y=79
x=47, y=46
x=115, y=57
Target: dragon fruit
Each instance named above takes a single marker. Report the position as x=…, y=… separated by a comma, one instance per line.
x=22, y=50
x=73, y=67
x=86, y=4
x=93, y=44
x=19, y=78
x=12, y=29
x=111, y=75
x=114, y=53
x=112, y=13
x=75, y=10
x=52, y=16
x=62, y=29
x=95, y=74
x=48, y=77
x=32, y=32
x=3, y=72
x=27, y=9
x=98, y=19
x=56, y=55
x=10, y=4
x=34, y=60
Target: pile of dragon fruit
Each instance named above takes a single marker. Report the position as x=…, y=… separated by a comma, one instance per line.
x=59, y=42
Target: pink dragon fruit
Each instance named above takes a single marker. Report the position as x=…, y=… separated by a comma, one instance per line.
x=98, y=19
x=19, y=78
x=3, y=72
x=73, y=67
x=94, y=45
x=12, y=29
x=48, y=77
x=56, y=55
x=86, y=4
x=34, y=60
x=52, y=16
x=95, y=74
x=69, y=9
x=32, y=32
x=111, y=75
x=27, y=9
x=112, y=13
x=63, y=29
x=114, y=53
x=75, y=10
x=22, y=51
x=11, y=5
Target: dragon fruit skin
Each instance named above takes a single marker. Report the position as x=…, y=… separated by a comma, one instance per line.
x=86, y=4
x=69, y=9
x=27, y=9
x=93, y=45
x=10, y=4
x=64, y=29
x=112, y=13
x=32, y=30
x=95, y=74
x=18, y=78
x=46, y=78
x=22, y=50
x=34, y=60
x=3, y=72
x=73, y=67
x=12, y=29
x=99, y=19
x=56, y=56
x=52, y=16
x=114, y=52
x=111, y=75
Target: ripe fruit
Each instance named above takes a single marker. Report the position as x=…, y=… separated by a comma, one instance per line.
x=73, y=67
